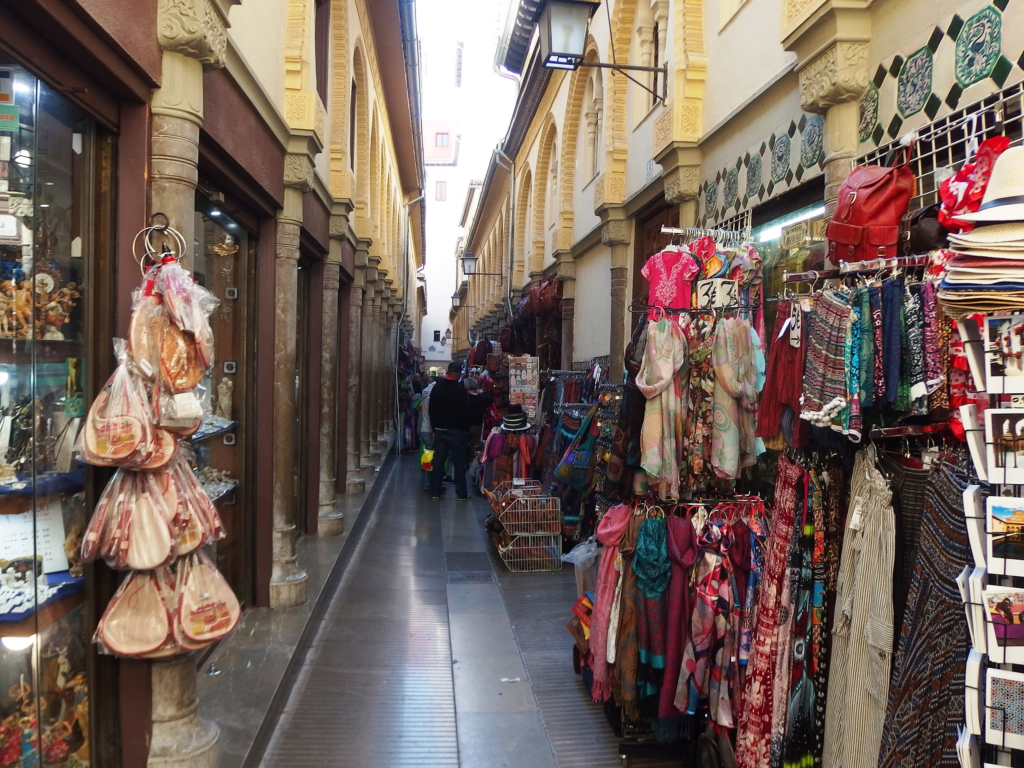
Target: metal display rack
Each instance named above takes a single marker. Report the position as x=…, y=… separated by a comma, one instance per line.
x=532, y=521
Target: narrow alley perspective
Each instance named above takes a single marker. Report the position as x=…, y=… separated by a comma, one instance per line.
x=511, y=383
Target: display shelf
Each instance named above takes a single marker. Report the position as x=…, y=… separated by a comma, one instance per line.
x=218, y=491
x=29, y=622
x=213, y=426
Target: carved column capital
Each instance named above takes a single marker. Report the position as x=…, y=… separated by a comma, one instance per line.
x=338, y=226
x=837, y=76
x=298, y=172
x=194, y=28
x=615, y=232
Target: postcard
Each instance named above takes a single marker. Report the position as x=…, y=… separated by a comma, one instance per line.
x=1004, y=525
x=1004, y=354
x=1004, y=705
x=1004, y=445
x=975, y=438
x=1004, y=625
x=974, y=511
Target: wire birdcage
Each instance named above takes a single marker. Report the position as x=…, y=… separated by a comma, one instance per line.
x=531, y=553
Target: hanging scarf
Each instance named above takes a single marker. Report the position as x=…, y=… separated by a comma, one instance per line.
x=609, y=533
x=665, y=360
x=651, y=566
x=699, y=426
x=735, y=396
x=753, y=737
x=682, y=552
x=627, y=653
x=782, y=682
x=704, y=676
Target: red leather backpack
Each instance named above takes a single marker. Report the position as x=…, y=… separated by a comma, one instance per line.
x=872, y=200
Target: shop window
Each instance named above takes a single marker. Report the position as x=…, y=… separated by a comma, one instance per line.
x=793, y=242
x=224, y=263
x=440, y=139
x=55, y=182
x=441, y=191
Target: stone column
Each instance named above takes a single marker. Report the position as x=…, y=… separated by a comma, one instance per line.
x=193, y=38
x=367, y=438
x=832, y=84
x=287, y=580
x=355, y=483
x=331, y=520
x=387, y=356
x=615, y=233
x=567, y=274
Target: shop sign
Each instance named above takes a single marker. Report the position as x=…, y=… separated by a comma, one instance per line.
x=795, y=235
x=6, y=86
x=8, y=118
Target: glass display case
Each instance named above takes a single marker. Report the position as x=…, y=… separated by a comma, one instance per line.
x=55, y=178
x=225, y=257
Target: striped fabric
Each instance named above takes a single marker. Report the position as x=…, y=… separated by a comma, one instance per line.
x=862, y=634
x=926, y=694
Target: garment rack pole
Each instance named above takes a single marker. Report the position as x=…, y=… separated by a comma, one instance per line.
x=855, y=268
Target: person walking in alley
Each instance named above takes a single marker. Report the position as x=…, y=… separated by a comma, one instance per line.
x=479, y=404
x=449, y=418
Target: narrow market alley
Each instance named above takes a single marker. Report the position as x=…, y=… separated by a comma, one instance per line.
x=456, y=661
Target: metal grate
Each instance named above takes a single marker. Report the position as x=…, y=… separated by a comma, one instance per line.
x=528, y=554
x=943, y=144
x=738, y=223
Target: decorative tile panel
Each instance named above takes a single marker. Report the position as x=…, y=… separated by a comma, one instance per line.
x=789, y=156
x=964, y=58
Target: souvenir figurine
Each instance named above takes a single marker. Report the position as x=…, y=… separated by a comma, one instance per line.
x=23, y=308
x=73, y=549
x=6, y=308
x=224, y=397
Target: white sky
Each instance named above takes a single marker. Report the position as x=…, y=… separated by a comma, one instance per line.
x=481, y=109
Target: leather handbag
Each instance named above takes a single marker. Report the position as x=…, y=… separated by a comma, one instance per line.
x=872, y=200
x=921, y=232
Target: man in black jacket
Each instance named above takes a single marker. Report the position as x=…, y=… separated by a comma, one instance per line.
x=449, y=418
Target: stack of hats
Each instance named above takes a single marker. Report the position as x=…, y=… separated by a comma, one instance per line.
x=515, y=419
x=986, y=274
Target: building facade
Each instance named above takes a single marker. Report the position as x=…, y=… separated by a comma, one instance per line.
x=282, y=141
x=768, y=106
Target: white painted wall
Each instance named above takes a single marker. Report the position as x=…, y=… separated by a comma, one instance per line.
x=742, y=57
x=258, y=32
x=592, y=329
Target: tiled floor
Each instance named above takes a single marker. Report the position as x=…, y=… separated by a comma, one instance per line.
x=430, y=654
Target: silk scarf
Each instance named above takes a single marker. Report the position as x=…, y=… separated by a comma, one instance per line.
x=609, y=533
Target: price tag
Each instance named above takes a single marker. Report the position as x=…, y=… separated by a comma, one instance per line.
x=796, y=323
x=856, y=514
x=785, y=325
x=717, y=293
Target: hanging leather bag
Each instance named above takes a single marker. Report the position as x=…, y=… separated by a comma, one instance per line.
x=872, y=200
x=921, y=232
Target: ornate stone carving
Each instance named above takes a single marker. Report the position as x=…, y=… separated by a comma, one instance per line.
x=682, y=184
x=795, y=11
x=298, y=172
x=338, y=227
x=194, y=28
x=688, y=122
x=615, y=232
x=838, y=75
x=663, y=130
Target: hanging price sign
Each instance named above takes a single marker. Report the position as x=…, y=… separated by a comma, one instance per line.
x=717, y=293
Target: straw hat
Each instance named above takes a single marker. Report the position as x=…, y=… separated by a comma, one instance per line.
x=1006, y=234
x=1004, y=196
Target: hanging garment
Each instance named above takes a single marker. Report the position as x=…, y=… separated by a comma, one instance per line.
x=627, y=647
x=507, y=455
x=825, y=391
x=908, y=485
x=682, y=553
x=651, y=566
x=832, y=514
x=783, y=381
x=866, y=331
x=754, y=734
x=609, y=533
x=735, y=397
x=665, y=366
x=670, y=274
x=697, y=441
x=862, y=634
x=878, y=394
x=706, y=675
x=848, y=421
x=916, y=351
x=892, y=337
x=926, y=693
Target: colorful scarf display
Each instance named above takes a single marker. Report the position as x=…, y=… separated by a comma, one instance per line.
x=660, y=380
x=609, y=533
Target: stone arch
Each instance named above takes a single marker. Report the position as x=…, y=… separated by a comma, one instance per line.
x=360, y=162
x=522, y=243
x=570, y=132
x=549, y=139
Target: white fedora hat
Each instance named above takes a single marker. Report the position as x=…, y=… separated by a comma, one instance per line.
x=1004, y=196
x=992, y=235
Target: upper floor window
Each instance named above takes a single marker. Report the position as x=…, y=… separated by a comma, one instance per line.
x=322, y=46
x=441, y=190
x=437, y=335
x=440, y=139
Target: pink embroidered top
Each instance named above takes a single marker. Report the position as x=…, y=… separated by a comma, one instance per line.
x=670, y=275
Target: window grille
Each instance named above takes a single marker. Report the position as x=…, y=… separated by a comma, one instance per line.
x=943, y=143
x=737, y=223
